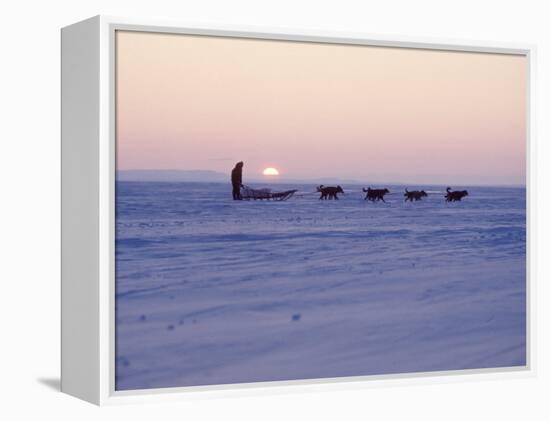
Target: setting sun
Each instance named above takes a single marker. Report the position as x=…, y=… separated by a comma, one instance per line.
x=271, y=171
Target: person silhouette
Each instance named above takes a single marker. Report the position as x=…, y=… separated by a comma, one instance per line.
x=237, y=180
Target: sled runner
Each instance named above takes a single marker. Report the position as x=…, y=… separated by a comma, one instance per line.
x=248, y=193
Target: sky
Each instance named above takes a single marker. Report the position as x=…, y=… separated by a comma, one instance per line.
x=316, y=110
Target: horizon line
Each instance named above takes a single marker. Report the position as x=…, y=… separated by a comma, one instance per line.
x=260, y=178
x=352, y=182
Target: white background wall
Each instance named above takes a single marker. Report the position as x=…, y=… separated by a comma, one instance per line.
x=29, y=207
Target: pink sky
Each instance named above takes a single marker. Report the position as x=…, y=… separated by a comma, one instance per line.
x=320, y=110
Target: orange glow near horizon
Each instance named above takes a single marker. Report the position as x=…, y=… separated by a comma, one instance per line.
x=271, y=171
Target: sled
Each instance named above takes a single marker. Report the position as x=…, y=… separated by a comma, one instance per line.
x=248, y=193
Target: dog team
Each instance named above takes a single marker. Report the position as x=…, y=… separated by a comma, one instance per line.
x=375, y=195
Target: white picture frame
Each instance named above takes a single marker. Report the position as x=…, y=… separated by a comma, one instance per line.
x=88, y=203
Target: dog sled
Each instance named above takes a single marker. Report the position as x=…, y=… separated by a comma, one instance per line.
x=248, y=193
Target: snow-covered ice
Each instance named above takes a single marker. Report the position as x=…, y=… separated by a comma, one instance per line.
x=213, y=291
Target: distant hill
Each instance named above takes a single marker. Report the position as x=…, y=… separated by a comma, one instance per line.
x=172, y=175
x=207, y=176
